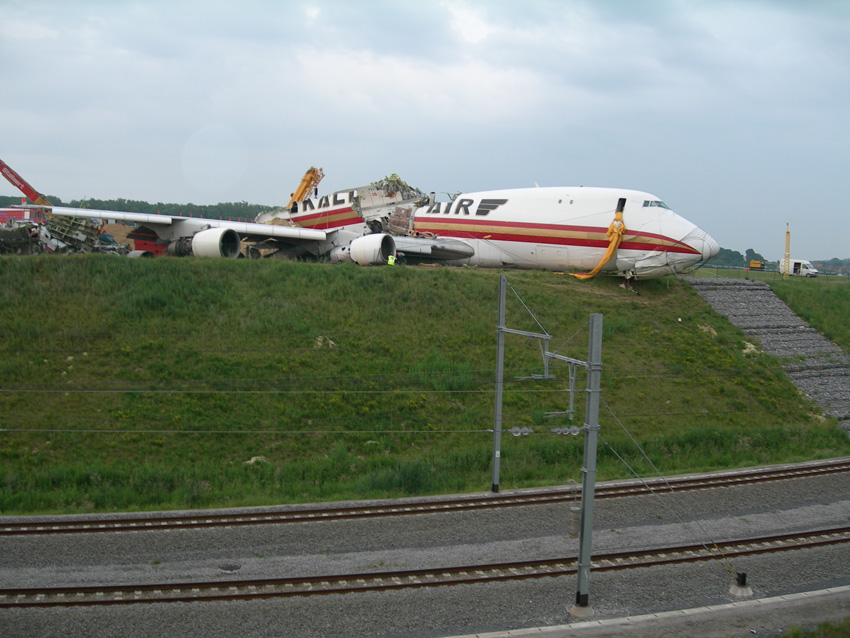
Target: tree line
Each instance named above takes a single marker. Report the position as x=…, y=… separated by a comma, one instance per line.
x=734, y=259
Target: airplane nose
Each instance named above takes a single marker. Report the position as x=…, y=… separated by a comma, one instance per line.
x=704, y=243
x=710, y=247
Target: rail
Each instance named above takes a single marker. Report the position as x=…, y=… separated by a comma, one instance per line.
x=116, y=524
x=224, y=590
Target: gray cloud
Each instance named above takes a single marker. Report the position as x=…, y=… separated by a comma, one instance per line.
x=734, y=113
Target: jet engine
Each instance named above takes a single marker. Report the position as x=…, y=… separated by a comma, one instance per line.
x=213, y=242
x=369, y=250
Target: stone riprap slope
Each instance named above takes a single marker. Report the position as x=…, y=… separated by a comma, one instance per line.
x=817, y=366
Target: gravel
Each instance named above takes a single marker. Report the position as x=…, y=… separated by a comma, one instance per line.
x=819, y=368
x=430, y=540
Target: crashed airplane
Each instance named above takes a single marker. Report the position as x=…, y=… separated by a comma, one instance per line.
x=622, y=232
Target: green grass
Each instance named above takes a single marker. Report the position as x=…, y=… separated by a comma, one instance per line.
x=823, y=302
x=148, y=384
x=824, y=630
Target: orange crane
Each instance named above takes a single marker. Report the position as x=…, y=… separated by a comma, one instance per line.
x=77, y=232
x=310, y=180
x=21, y=184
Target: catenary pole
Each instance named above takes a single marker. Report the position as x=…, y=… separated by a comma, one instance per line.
x=500, y=372
x=591, y=429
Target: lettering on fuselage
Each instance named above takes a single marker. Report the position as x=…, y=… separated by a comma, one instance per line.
x=462, y=206
x=326, y=201
x=489, y=205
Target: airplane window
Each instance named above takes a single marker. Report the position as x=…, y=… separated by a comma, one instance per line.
x=656, y=202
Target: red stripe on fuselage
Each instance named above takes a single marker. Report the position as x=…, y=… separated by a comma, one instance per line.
x=331, y=218
x=553, y=234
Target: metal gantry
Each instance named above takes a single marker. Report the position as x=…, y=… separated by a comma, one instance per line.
x=591, y=428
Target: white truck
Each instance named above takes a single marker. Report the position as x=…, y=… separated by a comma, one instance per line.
x=798, y=267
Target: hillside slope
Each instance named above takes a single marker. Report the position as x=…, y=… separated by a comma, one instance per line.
x=817, y=366
x=142, y=384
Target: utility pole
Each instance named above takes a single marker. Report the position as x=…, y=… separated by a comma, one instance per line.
x=582, y=608
x=787, y=263
x=502, y=330
x=500, y=382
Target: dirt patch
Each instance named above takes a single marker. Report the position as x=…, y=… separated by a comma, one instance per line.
x=119, y=232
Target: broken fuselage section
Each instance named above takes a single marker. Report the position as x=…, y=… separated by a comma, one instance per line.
x=354, y=221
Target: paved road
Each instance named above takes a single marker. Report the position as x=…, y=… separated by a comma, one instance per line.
x=763, y=617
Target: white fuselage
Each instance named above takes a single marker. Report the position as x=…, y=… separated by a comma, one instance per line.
x=564, y=228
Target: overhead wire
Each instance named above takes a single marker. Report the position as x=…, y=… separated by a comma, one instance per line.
x=398, y=378
x=527, y=309
x=715, y=551
x=306, y=431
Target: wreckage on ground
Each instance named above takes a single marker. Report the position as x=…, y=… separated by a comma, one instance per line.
x=34, y=234
x=357, y=223
x=33, y=229
x=582, y=230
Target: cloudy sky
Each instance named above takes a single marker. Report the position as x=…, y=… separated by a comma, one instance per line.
x=736, y=113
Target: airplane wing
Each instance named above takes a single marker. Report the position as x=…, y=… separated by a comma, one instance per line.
x=246, y=230
x=199, y=236
x=204, y=237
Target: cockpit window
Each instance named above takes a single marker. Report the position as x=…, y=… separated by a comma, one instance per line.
x=655, y=202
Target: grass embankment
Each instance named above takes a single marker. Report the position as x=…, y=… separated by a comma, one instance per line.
x=147, y=384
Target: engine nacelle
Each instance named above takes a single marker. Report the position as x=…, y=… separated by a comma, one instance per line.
x=369, y=250
x=213, y=242
x=340, y=254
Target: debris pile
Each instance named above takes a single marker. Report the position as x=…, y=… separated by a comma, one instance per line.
x=400, y=221
x=393, y=184
x=57, y=235
x=72, y=234
x=19, y=238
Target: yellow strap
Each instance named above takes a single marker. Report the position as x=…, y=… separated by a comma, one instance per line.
x=615, y=234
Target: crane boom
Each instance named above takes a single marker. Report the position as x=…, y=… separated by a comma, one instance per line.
x=76, y=233
x=21, y=184
x=310, y=180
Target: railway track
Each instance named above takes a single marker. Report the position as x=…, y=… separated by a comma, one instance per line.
x=66, y=525
x=387, y=581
